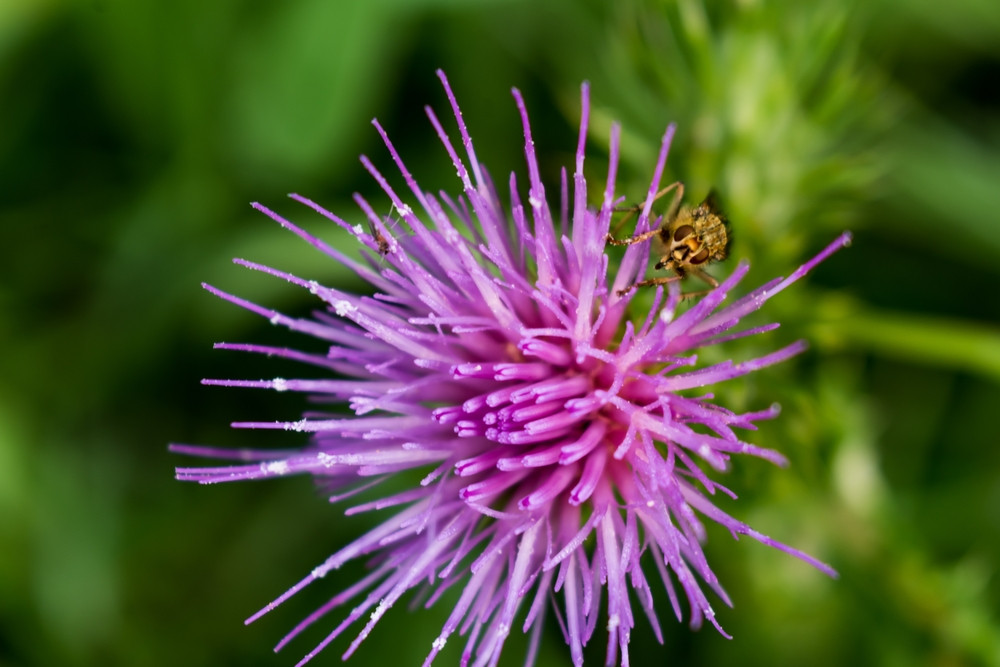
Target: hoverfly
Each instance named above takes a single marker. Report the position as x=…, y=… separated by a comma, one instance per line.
x=691, y=238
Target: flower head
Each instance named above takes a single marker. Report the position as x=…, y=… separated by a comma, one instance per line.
x=560, y=447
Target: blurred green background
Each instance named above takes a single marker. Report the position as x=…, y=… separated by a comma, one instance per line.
x=133, y=134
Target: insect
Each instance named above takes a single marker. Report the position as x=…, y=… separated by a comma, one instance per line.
x=691, y=238
x=381, y=241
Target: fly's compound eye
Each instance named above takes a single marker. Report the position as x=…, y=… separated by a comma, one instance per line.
x=683, y=232
x=700, y=258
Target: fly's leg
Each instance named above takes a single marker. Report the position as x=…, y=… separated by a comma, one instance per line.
x=664, y=280
x=670, y=215
x=695, y=271
x=652, y=282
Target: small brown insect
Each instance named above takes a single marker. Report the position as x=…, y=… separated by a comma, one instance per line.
x=380, y=240
x=691, y=238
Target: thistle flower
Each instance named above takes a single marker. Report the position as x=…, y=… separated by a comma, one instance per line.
x=560, y=447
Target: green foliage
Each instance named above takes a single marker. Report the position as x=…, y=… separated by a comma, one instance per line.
x=133, y=133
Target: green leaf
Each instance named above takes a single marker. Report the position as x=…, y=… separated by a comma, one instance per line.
x=924, y=339
x=948, y=182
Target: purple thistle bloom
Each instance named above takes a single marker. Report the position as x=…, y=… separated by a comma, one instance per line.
x=559, y=447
